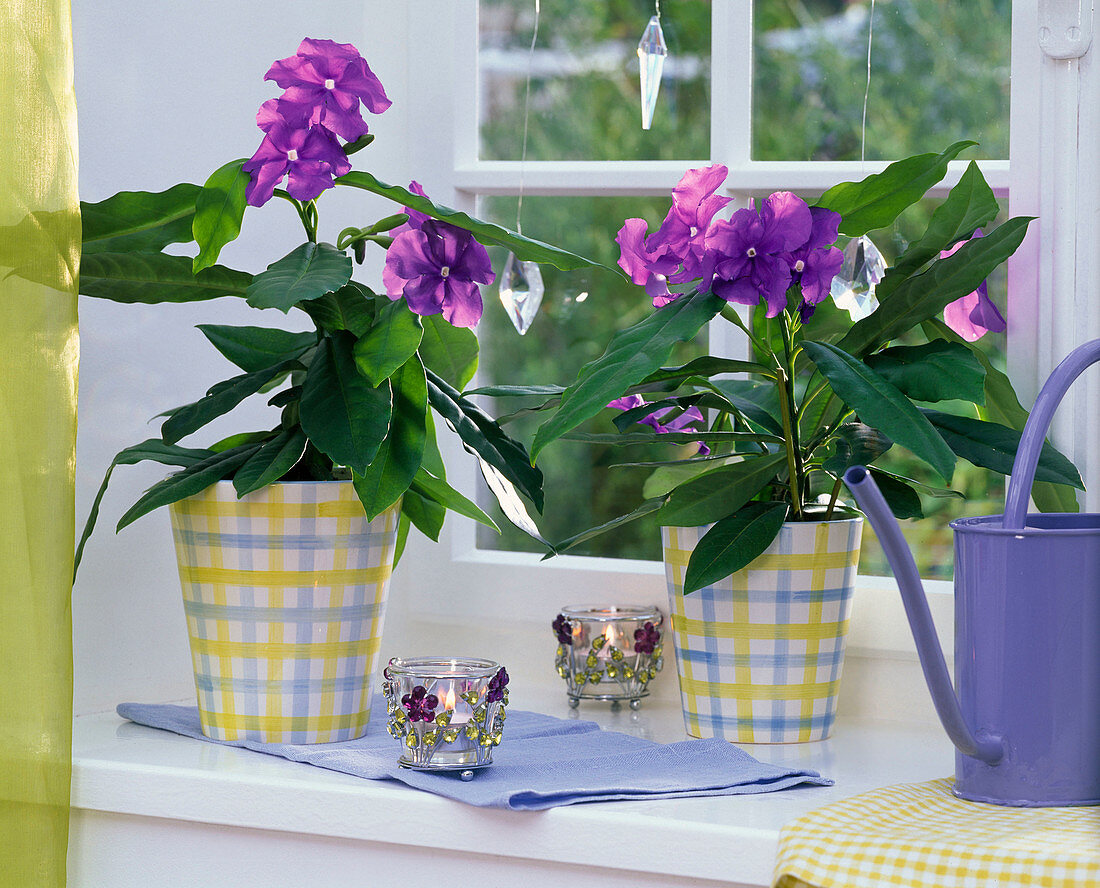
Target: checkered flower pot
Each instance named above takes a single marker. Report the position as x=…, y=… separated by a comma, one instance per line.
x=285, y=596
x=760, y=653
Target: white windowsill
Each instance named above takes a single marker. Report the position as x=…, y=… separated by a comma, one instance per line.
x=150, y=801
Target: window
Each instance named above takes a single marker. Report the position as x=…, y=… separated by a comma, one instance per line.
x=941, y=74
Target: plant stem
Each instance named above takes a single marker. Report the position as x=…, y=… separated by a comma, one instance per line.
x=832, y=499
x=791, y=415
x=788, y=437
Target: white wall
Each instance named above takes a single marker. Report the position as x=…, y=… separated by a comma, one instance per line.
x=167, y=92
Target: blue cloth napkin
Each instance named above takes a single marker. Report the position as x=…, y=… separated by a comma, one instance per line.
x=542, y=763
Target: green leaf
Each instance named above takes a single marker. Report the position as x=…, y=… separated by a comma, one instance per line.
x=993, y=446
x=220, y=399
x=193, y=479
x=402, y=451
x=733, y=543
x=644, y=437
x=256, y=348
x=875, y=202
x=449, y=351
x=403, y=525
x=855, y=444
x=665, y=479
x=705, y=366
x=392, y=340
x=482, y=436
x=306, y=272
x=517, y=391
x=342, y=413
x=349, y=308
x=425, y=514
x=634, y=353
x=508, y=499
x=881, y=406
x=219, y=209
x=646, y=508
x=274, y=459
x=935, y=371
x=925, y=295
x=900, y=497
x=138, y=220
x=152, y=449
x=241, y=438
x=156, y=277
x=755, y=401
x=485, y=232
x=720, y=492
x=438, y=490
x=627, y=418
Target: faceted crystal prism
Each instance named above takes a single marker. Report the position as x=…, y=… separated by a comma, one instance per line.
x=651, y=61
x=853, y=287
x=521, y=291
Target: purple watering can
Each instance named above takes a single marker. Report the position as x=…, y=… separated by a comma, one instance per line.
x=1026, y=721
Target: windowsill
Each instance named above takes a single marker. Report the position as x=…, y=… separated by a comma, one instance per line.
x=163, y=790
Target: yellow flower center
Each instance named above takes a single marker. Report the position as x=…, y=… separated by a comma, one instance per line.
x=445, y=271
x=330, y=83
x=292, y=154
x=750, y=252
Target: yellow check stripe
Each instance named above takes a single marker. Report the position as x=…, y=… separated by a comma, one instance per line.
x=804, y=561
x=285, y=723
x=753, y=691
x=329, y=509
x=685, y=626
x=283, y=651
x=282, y=578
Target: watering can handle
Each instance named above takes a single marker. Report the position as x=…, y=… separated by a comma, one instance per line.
x=1038, y=423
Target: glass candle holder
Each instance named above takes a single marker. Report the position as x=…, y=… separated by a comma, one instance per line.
x=608, y=652
x=448, y=712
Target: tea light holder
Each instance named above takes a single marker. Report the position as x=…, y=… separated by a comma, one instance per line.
x=608, y=652
x=448, y=712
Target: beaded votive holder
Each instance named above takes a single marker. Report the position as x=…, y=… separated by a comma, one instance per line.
x=609, y=652
x=448, y=712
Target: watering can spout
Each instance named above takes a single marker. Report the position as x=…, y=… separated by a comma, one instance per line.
x=986, y=749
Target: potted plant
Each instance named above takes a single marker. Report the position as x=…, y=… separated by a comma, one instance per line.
x=760, y=553
x=286, y=535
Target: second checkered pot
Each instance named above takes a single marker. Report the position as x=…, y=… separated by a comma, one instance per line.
x=760, y=653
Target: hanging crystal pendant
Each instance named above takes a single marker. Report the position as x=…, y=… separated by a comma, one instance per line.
x=521, y=291
x=853, y=288
x=651, y=59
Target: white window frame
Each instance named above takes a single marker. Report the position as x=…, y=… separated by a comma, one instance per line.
x=454, y=579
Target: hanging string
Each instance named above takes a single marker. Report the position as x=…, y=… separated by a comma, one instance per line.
x=526, y=111
x=867, y=89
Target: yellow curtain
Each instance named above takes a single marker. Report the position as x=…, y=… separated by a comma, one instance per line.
x=39, y=254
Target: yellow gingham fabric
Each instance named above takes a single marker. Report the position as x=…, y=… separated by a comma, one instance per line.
x=759, y=653
x=920, y=835
x=285, y=596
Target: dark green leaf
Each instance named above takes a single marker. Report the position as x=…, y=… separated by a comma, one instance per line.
x=508, y=499
x=704, y=366
x=219, y=209
x=449, y=351
x=755, y=401
x=875, y=202
x=646, y=508
x=935, y=371
x=307, y=272
x=720, y=492
x=153, y=449
x=156, y=277
x=274, y=459
x=517, y=391
x=241, y=438
x=256, y=348
x=138, y=220
x=855, y=444
x=482, y=436
x=403, y=525
x=634, y=353
x=193, y=479
x=425, y=514
x=900, y=497
x=993, y=446
x=349, y=308
x=925, y=295
x=733, y=543
x=438, y=490
x=220, y=399
x=485, y=232
x=881, y=406
x=342, y=413
x=402, y=451
x=389, y=344
x=636, y=414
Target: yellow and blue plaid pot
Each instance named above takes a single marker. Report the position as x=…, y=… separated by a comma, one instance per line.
x=285, y=596
x=760, y=653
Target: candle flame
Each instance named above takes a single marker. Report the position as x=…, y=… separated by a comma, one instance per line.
x=447, y=698
x=609, y=633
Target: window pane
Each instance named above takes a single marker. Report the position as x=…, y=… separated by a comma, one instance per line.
x=939, y=73
x=580, y=312
x=585, y=101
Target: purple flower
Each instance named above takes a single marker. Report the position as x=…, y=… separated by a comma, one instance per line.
x=694, y=204
x=324, y=83
x=420, y=704
x=680, y=423
x=646, y=639
x=311, y=158
x=416, y=219
x=750, y=248
x=815, y=263
x=644, y=264
x=437, y=268
x=563, y=629
x=973, y=315
x=497, y=684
